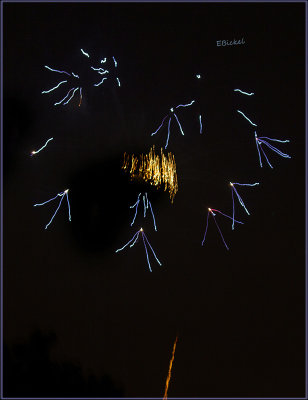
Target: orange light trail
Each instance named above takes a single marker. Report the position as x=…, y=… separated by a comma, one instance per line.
x=169, y=372
x=153, y=168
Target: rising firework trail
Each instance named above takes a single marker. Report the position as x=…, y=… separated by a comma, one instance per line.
x=170, y=368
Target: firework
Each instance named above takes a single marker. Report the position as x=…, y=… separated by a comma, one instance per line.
x=170, y=115
x=146, y=206
x=43, y=147
x=157, y=170
x=170, y=367
x=62, y=194
x=260, y=141
x=74, y=81
x=134, y=239
x=252, y=123
x=211, y=211
x=233, y=189
x=247, y=94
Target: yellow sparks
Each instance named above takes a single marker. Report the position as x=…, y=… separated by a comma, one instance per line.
x=169, y=372
x=155, y=169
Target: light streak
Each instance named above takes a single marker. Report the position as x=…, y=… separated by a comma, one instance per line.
x=80, y=96
x=55, y=70
x=56, y=87
x=37, y=151
x=99, y=83
x=84, y=53
x=239, y=90
x=168, y=135
x=210, y=211
x=160, y=125
x=155, y=169
x=170, y=368
x=233, y=189
x=200, y=122
x=177, y=120
x=260, y=141
x=136, y=206
x=62, y=194
x=154, y=222
x=75, y=89
x=68, y=93
x=169, y=121
x=146, y=206
x=246, y=117
x=101, y=71
x=134, y=240
x=185, y=105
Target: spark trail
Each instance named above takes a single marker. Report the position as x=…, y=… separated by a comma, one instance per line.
x=100, y=71
x=247, y=94
x=170, y=368
x=198, y=76
x=260, y=141
x=172, y=114
x=233, y=189
x=72, y=89
x=99, y=83
x=146, y=206
x=43, y=147
x=210, y=211
x=85, y=53
x=246, y=117
x=62, y=194
x=134, y=239
x=103, y=71
x=56, y=70
x=56, y=87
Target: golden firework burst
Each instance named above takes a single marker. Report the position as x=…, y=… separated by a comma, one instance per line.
x=156, y=169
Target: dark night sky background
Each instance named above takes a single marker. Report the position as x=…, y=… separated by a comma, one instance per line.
x=80, y=320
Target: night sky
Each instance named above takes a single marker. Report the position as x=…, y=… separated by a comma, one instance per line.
x=83, y=321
